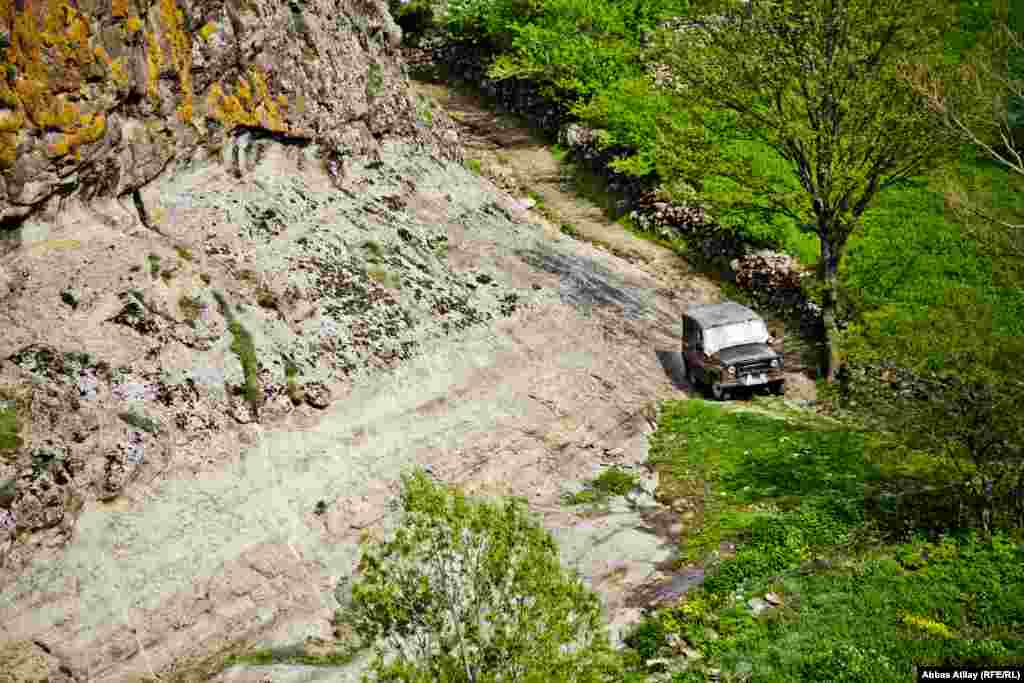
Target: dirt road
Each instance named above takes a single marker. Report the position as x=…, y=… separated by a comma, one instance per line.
x=548, y=395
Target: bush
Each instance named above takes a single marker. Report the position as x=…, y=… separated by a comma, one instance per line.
x=474, y=590
x=415, y=18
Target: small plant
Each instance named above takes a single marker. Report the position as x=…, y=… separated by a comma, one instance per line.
x=321, y=507
x=184, y=253
x=474, y=166
x=10, y=428
x=614, y=481
x=570, y=231
x=374, y=249
x=374, y=81
x=247, y=275
x=291, y=374
x=154, y=264
x=425, y=109
x=266, y=298
x=389, y=280
x=138, y=421
x=244, y=348
x=205, y=277
x=190, y=307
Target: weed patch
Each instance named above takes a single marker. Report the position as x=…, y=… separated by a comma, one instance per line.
x=291, y=374
x=569, y=230
x=244, y=348
x=153, y=262
x=474, y=166
x=295, y=654
x=614, y=481
x=191, y=308
x=139, y=421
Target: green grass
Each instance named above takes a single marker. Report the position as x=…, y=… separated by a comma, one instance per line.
x=474, y=166
x=10, y=428
x=153, y=261
x=787, y=486
x=742, y=472
x=295, y=654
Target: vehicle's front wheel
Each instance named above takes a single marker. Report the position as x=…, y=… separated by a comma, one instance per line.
x=719, y=392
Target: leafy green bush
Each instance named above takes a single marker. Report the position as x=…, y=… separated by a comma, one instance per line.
x=415, y=18
x=468, y=590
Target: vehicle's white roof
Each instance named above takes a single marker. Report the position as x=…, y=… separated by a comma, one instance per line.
x=716, y=315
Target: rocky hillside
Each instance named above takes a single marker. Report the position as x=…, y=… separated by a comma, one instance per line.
x=213, y=217
x=99, y=98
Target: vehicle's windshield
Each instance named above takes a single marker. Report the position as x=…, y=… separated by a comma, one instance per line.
x=750, y=332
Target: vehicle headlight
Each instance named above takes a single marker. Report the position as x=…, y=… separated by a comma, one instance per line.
x=732, y=369
x=775, y=362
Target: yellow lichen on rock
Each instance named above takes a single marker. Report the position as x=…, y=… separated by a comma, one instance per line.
x=8, y=150
x=133, y=24
x=250, y=105
x=119, y=8
x=208, y=29
x=11, y=121
x=172, y=20
x=154, y=61
x=90, y=129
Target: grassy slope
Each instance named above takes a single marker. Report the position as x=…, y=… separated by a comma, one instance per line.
x=789, y=487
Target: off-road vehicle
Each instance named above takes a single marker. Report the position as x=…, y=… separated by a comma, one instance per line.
x=727, y=347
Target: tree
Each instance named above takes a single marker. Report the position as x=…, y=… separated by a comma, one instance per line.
x=473, y=591
x=980, y=100
x=818, y=84
x=959, y=402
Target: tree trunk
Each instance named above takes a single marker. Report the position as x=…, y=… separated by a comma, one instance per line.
x=829, y=273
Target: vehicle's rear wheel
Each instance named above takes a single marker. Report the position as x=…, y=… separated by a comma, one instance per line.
x=691, y=375
x=779, y=388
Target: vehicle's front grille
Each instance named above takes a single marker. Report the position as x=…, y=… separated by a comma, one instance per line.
x=753, y=366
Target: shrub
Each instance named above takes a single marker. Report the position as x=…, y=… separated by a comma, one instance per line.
x=474, y=590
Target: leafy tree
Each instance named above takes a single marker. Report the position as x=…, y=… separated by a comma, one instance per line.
x=473, y=591
x=960, y=404
x=818, y=84
x=980, y=99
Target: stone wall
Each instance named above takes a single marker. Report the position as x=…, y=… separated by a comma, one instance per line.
x=773, y=279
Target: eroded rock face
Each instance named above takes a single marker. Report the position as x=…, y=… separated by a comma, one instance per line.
x=98, y=98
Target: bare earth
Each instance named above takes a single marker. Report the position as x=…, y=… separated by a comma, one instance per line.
x=193, y=563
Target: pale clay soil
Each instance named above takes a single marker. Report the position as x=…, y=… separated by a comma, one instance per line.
x=195, y=560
